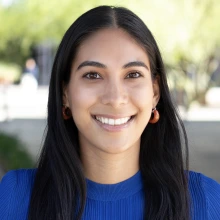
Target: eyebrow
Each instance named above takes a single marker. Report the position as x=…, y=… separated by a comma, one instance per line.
x=135, y=63
x=91, y=63
x=100, y=65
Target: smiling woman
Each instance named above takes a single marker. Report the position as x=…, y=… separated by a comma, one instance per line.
x=111, y=95
x=115, y=144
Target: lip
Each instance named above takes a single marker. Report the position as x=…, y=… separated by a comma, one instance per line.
x=114, y=128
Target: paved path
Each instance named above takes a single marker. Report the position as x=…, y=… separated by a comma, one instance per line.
x=204, y=146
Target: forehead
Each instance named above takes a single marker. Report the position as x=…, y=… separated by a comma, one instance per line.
x=111, y=46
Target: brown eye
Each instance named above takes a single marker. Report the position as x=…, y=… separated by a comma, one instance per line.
x=92, y=75
x=133, y=75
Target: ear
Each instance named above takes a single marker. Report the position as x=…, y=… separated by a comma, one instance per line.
x=156, y=90
x=65, y=95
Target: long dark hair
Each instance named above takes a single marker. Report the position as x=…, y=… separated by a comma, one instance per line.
x=59, y=191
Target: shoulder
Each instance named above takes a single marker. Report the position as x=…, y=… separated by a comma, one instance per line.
x=20, y=173
x=15, y=190
x=205, y=195
x=204, y=183
x=17, y=178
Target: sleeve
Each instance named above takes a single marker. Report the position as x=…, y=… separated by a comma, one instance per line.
x=212, y=193
x=7, y=187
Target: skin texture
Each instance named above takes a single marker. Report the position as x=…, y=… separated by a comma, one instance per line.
x=113, y=91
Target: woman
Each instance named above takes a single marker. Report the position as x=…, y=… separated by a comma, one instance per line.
x=113, y=146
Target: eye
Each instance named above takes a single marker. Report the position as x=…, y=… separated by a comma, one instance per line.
x=92, y=75
x=133, y=75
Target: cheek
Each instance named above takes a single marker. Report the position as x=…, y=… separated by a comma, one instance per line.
x=143, y=99
x=142, y=96
x=80, y=100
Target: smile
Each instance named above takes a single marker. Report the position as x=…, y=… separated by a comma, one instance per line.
x=113, y=122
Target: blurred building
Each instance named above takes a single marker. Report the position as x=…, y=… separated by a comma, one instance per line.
x=44, y=55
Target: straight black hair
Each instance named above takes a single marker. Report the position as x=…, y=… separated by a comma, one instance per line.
x=59, y=190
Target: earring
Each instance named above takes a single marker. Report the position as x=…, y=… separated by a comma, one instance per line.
x=154, y=116
x=66, y=112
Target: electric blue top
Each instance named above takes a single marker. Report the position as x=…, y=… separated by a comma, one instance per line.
x=118, y=201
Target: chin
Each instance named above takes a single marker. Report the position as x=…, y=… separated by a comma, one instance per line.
x=115, y=149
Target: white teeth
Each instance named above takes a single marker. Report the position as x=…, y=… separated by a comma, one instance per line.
x=118, y=121
x=103, y=120
x=112, y=121
x=123, y=120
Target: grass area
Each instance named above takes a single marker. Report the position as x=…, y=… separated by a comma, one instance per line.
x=13, y=154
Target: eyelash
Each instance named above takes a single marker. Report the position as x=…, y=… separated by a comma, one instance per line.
x=91, y=73
x=95, y=73
x=135, y=72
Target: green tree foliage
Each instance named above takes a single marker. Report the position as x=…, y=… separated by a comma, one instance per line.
x=188, y=32
x=27, y=23
x=13, y=154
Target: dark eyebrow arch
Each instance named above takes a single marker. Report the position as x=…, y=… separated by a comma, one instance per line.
x=100, y=65
x=91, y=63
x=135, y=63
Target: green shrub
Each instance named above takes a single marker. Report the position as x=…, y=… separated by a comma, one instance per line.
x=13, y=154
x=9, y=73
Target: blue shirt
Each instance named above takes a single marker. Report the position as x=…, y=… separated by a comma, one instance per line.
x=118, y=201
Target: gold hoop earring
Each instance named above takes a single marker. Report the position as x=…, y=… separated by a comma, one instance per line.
x=154, y=116
x=66, y=112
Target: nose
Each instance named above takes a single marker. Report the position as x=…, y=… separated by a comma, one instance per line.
x=114, y=94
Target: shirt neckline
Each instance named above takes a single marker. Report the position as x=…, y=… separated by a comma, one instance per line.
x=110, y=192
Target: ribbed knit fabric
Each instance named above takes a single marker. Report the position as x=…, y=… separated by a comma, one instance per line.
x=121, y=201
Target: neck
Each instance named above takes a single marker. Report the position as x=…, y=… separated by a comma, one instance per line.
x=108, y=168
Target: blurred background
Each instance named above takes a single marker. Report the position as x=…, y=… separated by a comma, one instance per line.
x=187, y=32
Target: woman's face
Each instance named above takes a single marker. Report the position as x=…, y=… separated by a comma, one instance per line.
x=110, y=92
